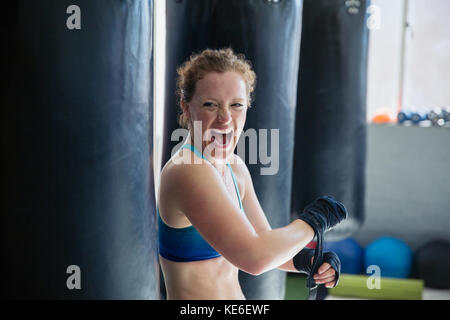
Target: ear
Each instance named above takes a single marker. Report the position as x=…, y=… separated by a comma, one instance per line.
x=184, y=106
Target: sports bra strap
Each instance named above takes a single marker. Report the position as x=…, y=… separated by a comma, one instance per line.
x=236, y=186
x=193, y=149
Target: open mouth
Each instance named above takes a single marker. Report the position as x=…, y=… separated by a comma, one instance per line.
x=221, y=139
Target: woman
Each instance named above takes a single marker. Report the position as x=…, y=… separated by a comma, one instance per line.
x=211, y=223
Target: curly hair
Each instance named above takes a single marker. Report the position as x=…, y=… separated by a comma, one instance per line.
x=210, y=60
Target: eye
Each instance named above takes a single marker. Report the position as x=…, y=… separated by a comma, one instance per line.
x=209, y=104
x=238, y=105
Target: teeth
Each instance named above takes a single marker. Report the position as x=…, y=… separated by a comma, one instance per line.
x=217, y=135
x=222, y=131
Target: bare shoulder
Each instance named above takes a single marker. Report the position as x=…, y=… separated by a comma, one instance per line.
x=181, y=182
x=177, y=177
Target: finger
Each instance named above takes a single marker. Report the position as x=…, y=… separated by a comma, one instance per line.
x=330, y=284
x=324, y=267
x=329, y=273
x=326, y=280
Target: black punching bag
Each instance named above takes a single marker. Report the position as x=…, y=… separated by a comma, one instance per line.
x=77, y=179
x=330, y=139
x=268, y=33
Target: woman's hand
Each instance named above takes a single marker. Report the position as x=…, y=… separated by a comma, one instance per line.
x=328, y=272
x=326, y=275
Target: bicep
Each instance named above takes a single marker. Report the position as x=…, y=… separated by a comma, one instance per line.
x=202, y=197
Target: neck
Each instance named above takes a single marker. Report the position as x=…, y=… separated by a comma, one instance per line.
x=220, y=165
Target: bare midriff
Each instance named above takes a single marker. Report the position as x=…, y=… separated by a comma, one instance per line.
x=211, y=279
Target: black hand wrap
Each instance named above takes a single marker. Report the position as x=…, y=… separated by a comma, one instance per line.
x=303, y=262
x=322, y=215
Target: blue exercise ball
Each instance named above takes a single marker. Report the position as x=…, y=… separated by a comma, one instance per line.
x=392, y=255
x=350, y=253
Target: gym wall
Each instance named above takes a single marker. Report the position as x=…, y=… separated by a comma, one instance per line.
x=407, y=184
x=407, y=176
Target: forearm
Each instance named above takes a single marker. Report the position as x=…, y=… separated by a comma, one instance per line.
x=277, y=247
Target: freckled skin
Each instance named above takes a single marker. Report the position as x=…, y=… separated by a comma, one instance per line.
x=220, y=102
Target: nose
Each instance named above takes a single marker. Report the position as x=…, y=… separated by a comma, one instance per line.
x=224, y=115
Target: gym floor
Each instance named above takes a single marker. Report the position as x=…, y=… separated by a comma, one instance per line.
x=296, y=290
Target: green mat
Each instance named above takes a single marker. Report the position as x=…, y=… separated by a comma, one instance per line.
x=296, y=287
x=355, y=286
x=390, y=288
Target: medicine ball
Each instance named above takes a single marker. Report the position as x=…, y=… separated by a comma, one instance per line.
x=432, y=264
x=350, y=253
x=392, y=255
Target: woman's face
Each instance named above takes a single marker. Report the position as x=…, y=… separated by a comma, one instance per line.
x=217, y=112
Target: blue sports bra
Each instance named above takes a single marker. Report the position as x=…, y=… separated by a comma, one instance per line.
x=186, y=244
